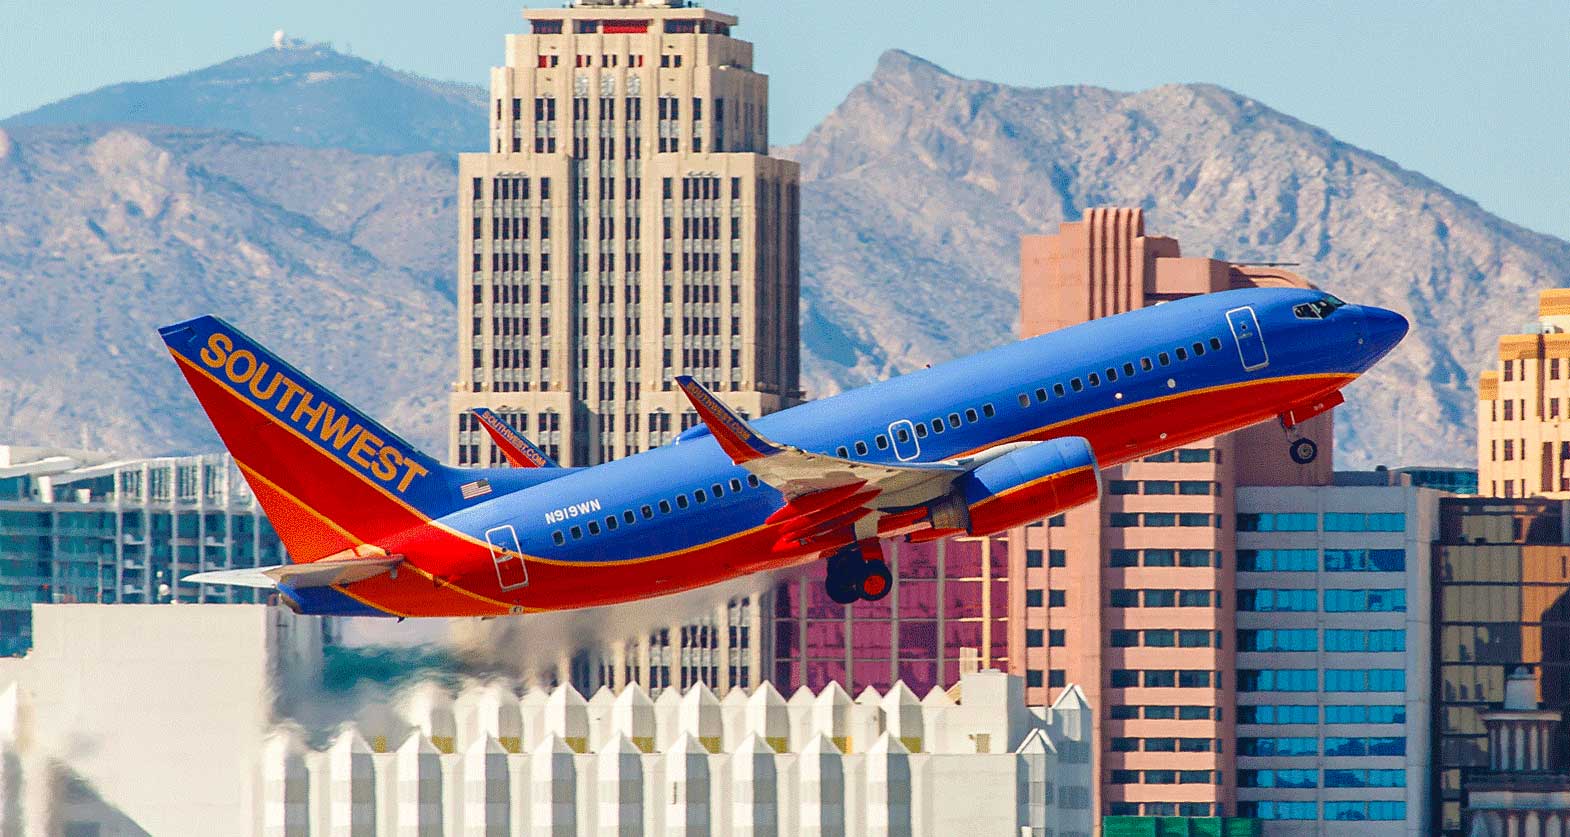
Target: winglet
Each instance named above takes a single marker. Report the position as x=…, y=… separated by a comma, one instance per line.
x=739, y=441
x=520, y=452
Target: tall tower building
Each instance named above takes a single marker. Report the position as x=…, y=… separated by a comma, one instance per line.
x=1523, y=416
x=626, y=225
x=1133, y=596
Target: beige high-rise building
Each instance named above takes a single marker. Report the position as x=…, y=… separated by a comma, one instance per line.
x=626, y=225
x=1523, y=430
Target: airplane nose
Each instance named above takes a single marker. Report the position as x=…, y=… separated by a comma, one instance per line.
x=1385, y=328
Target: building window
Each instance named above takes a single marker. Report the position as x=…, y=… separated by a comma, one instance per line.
x=1270, y=809
x=1276, y=601
x=1034, y=598
x=1280, y=746
x=1370, y=601
x=1278, y=522
x=1057, y=558
x=1057, y=598
x=1278, y=680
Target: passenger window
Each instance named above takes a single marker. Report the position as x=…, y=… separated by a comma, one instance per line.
x=1199, y=349
x=953, y=419
x=970, y=416
x=1165, y=361
x=1024, y=400
x=844, y=452
x=1182, y=354
x=629, y=517
x=718, y=490
x=558, y=538
x=861, y=448
x=921, y=431
x=988, y=410
x=665, y=507
x=1215, y=343
x=647, y=512
x=735, y=485
x=1128, y=369
x=577, y=533
x=681, y=501
x=1057, y=389
x=1112, y=374
x=1144, y=364
x=882, y=442
x=701, y=496
x=611, y=523
x=594, y=527
x=1075, y=383
x=902, y=435
x=752, y=480
x=1041, y=395
x=1094, y=379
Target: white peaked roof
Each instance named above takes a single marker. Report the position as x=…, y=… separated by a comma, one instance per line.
x=1071, y=698
x=1036, y=742
x=887, y=744
x=937, y=697
x=819, y=744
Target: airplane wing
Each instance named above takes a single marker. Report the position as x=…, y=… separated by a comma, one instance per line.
x=520, y=452
x=323, y=573
x=797, y=473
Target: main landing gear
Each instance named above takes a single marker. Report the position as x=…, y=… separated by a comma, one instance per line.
x=858, y=572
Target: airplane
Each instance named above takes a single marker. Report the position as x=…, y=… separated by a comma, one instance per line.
x=374, y=527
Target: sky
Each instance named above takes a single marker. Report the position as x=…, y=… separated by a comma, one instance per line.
x=1471, y=94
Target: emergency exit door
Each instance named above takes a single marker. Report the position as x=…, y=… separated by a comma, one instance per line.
x=510, y=571
x=1245, y=333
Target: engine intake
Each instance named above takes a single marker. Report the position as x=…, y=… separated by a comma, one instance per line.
x=1022, y=486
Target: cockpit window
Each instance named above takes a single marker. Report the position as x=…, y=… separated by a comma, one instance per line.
x=1319, y=309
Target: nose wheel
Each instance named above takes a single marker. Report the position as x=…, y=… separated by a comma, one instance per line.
x=1303, y=451
x=854, y=576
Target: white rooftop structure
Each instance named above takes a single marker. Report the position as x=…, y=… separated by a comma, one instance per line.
x=165, y=717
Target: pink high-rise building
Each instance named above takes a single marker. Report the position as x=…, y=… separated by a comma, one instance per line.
x=1133, y=596
x=947, y=615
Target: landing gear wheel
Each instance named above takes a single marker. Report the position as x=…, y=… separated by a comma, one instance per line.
x=842, y=590
x=1304, y=451
x=877, y=582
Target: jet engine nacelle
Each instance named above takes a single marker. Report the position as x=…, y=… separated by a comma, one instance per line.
x=1020, y=487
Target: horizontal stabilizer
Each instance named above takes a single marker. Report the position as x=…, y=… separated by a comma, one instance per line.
x=322, y=573
x=520, y=452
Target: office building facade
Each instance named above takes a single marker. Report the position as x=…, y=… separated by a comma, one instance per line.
x=1130, y=596
x=82, y=526
x=625, y=226
x=1502, y=602
x=1523, y=416
x=1333, y=696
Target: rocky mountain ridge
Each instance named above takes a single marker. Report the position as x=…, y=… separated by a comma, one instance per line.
x=330, y=236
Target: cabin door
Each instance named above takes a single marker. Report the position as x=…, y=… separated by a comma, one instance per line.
x=1245, y=333
x=510, y=571
x=903, y=435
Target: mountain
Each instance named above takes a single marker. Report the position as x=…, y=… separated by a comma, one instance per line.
x=917, y=188
x=339, y=261
x=306, y=95
x=324, y=237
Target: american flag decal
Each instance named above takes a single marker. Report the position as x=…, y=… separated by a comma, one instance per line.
x=478, y=488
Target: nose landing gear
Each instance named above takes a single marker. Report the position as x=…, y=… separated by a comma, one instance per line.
x=1303, y=450
x=858, y=572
